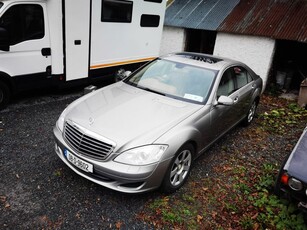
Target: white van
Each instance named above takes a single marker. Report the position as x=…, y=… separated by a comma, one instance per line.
x=50, y=42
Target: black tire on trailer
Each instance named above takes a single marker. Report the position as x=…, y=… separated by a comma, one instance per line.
x=5, y=95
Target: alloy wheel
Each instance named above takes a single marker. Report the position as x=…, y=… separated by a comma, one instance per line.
x=181, y=168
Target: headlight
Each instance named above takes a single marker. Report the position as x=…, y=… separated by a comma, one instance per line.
x=295, y=184
x=60, y=121
x=142, y=155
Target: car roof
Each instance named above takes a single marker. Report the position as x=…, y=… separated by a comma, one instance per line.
x=201, y=60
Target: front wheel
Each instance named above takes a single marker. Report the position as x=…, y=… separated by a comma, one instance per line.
x=4, y=95
x=250, y=114
x=179, y=169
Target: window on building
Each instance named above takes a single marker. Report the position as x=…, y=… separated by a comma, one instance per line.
x=116, y=11
x=23, y=22
x=148, y=20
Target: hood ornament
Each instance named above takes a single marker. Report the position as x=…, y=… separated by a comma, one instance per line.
x=91, y=121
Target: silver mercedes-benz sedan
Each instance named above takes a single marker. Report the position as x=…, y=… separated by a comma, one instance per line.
x=144, y=132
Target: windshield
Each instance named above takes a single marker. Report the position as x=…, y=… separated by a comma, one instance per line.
x=1, y=4
x=179, y=80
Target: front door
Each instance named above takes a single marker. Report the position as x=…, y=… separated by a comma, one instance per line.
x=77, y=38
x=223, y=117
x=29, y=43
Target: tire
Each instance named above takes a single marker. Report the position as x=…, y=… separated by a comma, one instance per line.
x=250, y=114
x=178, y=170
x=4, y=95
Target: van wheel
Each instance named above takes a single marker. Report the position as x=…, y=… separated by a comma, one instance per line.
x=4, y=95
x=179, y=169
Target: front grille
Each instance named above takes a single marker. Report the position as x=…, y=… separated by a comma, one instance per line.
x=86, y=145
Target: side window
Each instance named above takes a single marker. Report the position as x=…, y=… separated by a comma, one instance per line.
x=148, y=20
x=242, y=76
x=226, y=86
x=116, y=11
x=23, y=22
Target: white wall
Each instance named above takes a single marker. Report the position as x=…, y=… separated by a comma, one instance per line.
x=173, y=40
x=256, y=52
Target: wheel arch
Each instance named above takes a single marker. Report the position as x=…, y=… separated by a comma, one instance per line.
x=7, y=79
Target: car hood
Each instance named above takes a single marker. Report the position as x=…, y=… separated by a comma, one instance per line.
x=129, y=116
x=296, y=164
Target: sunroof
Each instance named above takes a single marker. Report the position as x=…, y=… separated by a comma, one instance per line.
x=200, y=57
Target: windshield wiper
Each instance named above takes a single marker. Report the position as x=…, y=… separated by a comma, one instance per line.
x=151, y=90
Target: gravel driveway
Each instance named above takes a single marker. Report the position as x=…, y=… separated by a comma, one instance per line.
x=38, y=191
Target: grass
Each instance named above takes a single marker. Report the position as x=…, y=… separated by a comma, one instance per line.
x=238, y=192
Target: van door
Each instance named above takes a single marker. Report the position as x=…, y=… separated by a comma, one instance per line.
x=77, y=38
x=29, y=52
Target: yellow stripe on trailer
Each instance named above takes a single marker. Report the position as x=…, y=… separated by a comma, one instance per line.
x=121, y=63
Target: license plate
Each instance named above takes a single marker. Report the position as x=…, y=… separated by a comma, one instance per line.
x=81, y=164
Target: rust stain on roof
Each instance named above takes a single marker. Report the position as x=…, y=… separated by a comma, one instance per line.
x=279, y=19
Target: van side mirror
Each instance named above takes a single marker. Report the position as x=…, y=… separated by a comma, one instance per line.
x=122, y=74
x=4, y=40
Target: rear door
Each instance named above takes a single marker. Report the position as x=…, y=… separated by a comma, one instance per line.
x=245, y=88
x=77, y=38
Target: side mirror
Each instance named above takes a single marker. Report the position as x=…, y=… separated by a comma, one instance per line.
x=4, y=40
x=223, y=100
x=122, y=74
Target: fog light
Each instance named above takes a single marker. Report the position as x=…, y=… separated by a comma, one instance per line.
x=295, y=184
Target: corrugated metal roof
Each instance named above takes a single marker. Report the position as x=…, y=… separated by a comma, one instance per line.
x=279, y=19
x=198, y=14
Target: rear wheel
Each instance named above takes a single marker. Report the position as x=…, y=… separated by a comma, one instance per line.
x=250, y=114
x=4, y=95
x=179, y=169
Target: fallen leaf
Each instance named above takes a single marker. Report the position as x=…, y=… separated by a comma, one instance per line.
x=213, y=214
x=118, y=224
x=199, y=218
x=3, y=198
x=254, y=216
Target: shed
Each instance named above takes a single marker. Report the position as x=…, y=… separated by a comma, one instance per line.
x=268, y=35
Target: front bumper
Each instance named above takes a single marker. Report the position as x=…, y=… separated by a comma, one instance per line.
x=113, y=175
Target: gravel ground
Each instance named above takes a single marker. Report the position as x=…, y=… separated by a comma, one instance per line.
x=39, y=192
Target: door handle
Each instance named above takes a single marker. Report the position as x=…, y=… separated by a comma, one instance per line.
x=46, y=52
x=77, y=42
x=236, y=100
